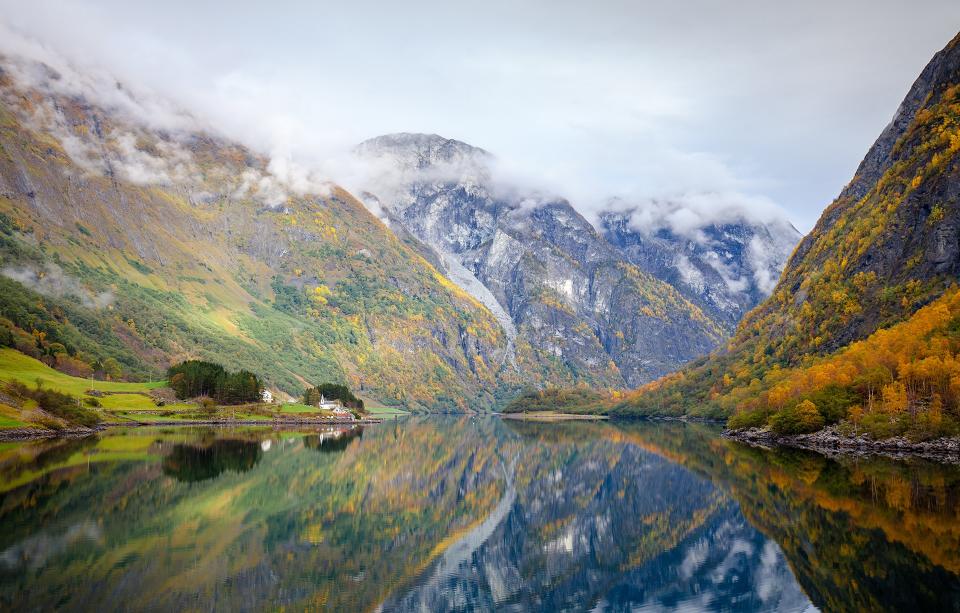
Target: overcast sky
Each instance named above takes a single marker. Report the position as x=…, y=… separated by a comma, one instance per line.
x=772, y=100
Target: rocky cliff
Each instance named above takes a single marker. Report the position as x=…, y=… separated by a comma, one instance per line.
x=888, y=246
x=726, y=267
x=577, y=301
x=577, y=307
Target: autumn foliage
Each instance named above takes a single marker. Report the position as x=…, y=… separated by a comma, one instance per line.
x=903, y=379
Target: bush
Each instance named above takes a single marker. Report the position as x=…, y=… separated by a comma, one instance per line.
x=834, y=401
x=63, y=406
x=208, y=405
x=748, y=419
x=881, y=425
x=800, y=419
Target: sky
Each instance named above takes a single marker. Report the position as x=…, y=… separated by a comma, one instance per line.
x=768, y=103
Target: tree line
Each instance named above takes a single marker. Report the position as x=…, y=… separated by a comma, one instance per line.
x=194, y=378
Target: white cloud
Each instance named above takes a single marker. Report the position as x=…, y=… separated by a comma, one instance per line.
x=686, y=214
x=584, y=99
x=52, y=281
x=173, y=164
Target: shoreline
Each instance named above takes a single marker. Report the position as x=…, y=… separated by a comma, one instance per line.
x=15, y=435
x=832, y=444
x=687, y=419
x=547, y=416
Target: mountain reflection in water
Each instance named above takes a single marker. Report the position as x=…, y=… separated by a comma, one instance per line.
x=469, y=514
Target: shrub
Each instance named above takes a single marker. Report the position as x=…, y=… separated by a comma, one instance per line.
x=834, y=401
x=64, y=406
x=748, y=419
x=799, y=419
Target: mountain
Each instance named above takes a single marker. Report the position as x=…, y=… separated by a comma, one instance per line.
x=132, y=237
x=725, y=266
x=578, y=305
x=862, y=321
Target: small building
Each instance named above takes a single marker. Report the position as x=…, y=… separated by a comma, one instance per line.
x=342, y=412
x=266, y=396
x=328, y=405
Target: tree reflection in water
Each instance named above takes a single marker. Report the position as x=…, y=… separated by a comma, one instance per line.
x=190, y=463
x=469, y=514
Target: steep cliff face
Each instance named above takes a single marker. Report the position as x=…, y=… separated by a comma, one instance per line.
x=888, y=245
x=123, y=239
x=724, y=267
x=576, y=307
x=891, y=241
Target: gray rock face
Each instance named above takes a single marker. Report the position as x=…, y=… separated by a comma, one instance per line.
x=897, y=223
x=580, y=310
x=725, y=268
x=942, y=70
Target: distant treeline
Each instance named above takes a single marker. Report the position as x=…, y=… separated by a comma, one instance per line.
x=198, y=378
x=575, y=400
x=332, y=391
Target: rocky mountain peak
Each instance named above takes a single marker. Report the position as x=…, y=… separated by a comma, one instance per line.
x=942, y=71
x=576, y=307
x=414, y=151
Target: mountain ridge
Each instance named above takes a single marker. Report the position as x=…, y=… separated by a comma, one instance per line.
x=445, y=193
x=207, y=253
x=860, y=327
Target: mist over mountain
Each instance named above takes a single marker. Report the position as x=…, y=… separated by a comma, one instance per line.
x=555, y=281
x=726, y=267
x=179, y=242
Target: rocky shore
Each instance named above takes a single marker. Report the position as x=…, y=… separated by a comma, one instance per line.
x=830, y=442
x=27, y=434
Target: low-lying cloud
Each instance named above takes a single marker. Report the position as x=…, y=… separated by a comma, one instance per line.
x=650, y=101
x=53, y=282
x=686, y=214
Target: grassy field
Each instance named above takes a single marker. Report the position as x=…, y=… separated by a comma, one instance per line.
x=385, y=411
x=296, y=407
x=15, y=366
x=10, y=417
x=129, y=401
x=118, y=395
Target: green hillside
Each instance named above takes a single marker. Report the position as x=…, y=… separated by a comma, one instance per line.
x=15, y=366
x=107, y=272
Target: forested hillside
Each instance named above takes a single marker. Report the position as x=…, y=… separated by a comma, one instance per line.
x=885, y=248
x=127, y=246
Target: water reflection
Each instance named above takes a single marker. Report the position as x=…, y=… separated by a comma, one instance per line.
x=190, y=463
x=468, y=514
x=333, y=440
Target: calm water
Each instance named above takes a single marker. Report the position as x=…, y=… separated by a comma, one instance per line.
x=469, y=514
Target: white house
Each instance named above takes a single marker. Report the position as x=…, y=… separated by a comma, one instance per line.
x=329, y=405
x=266, y=396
